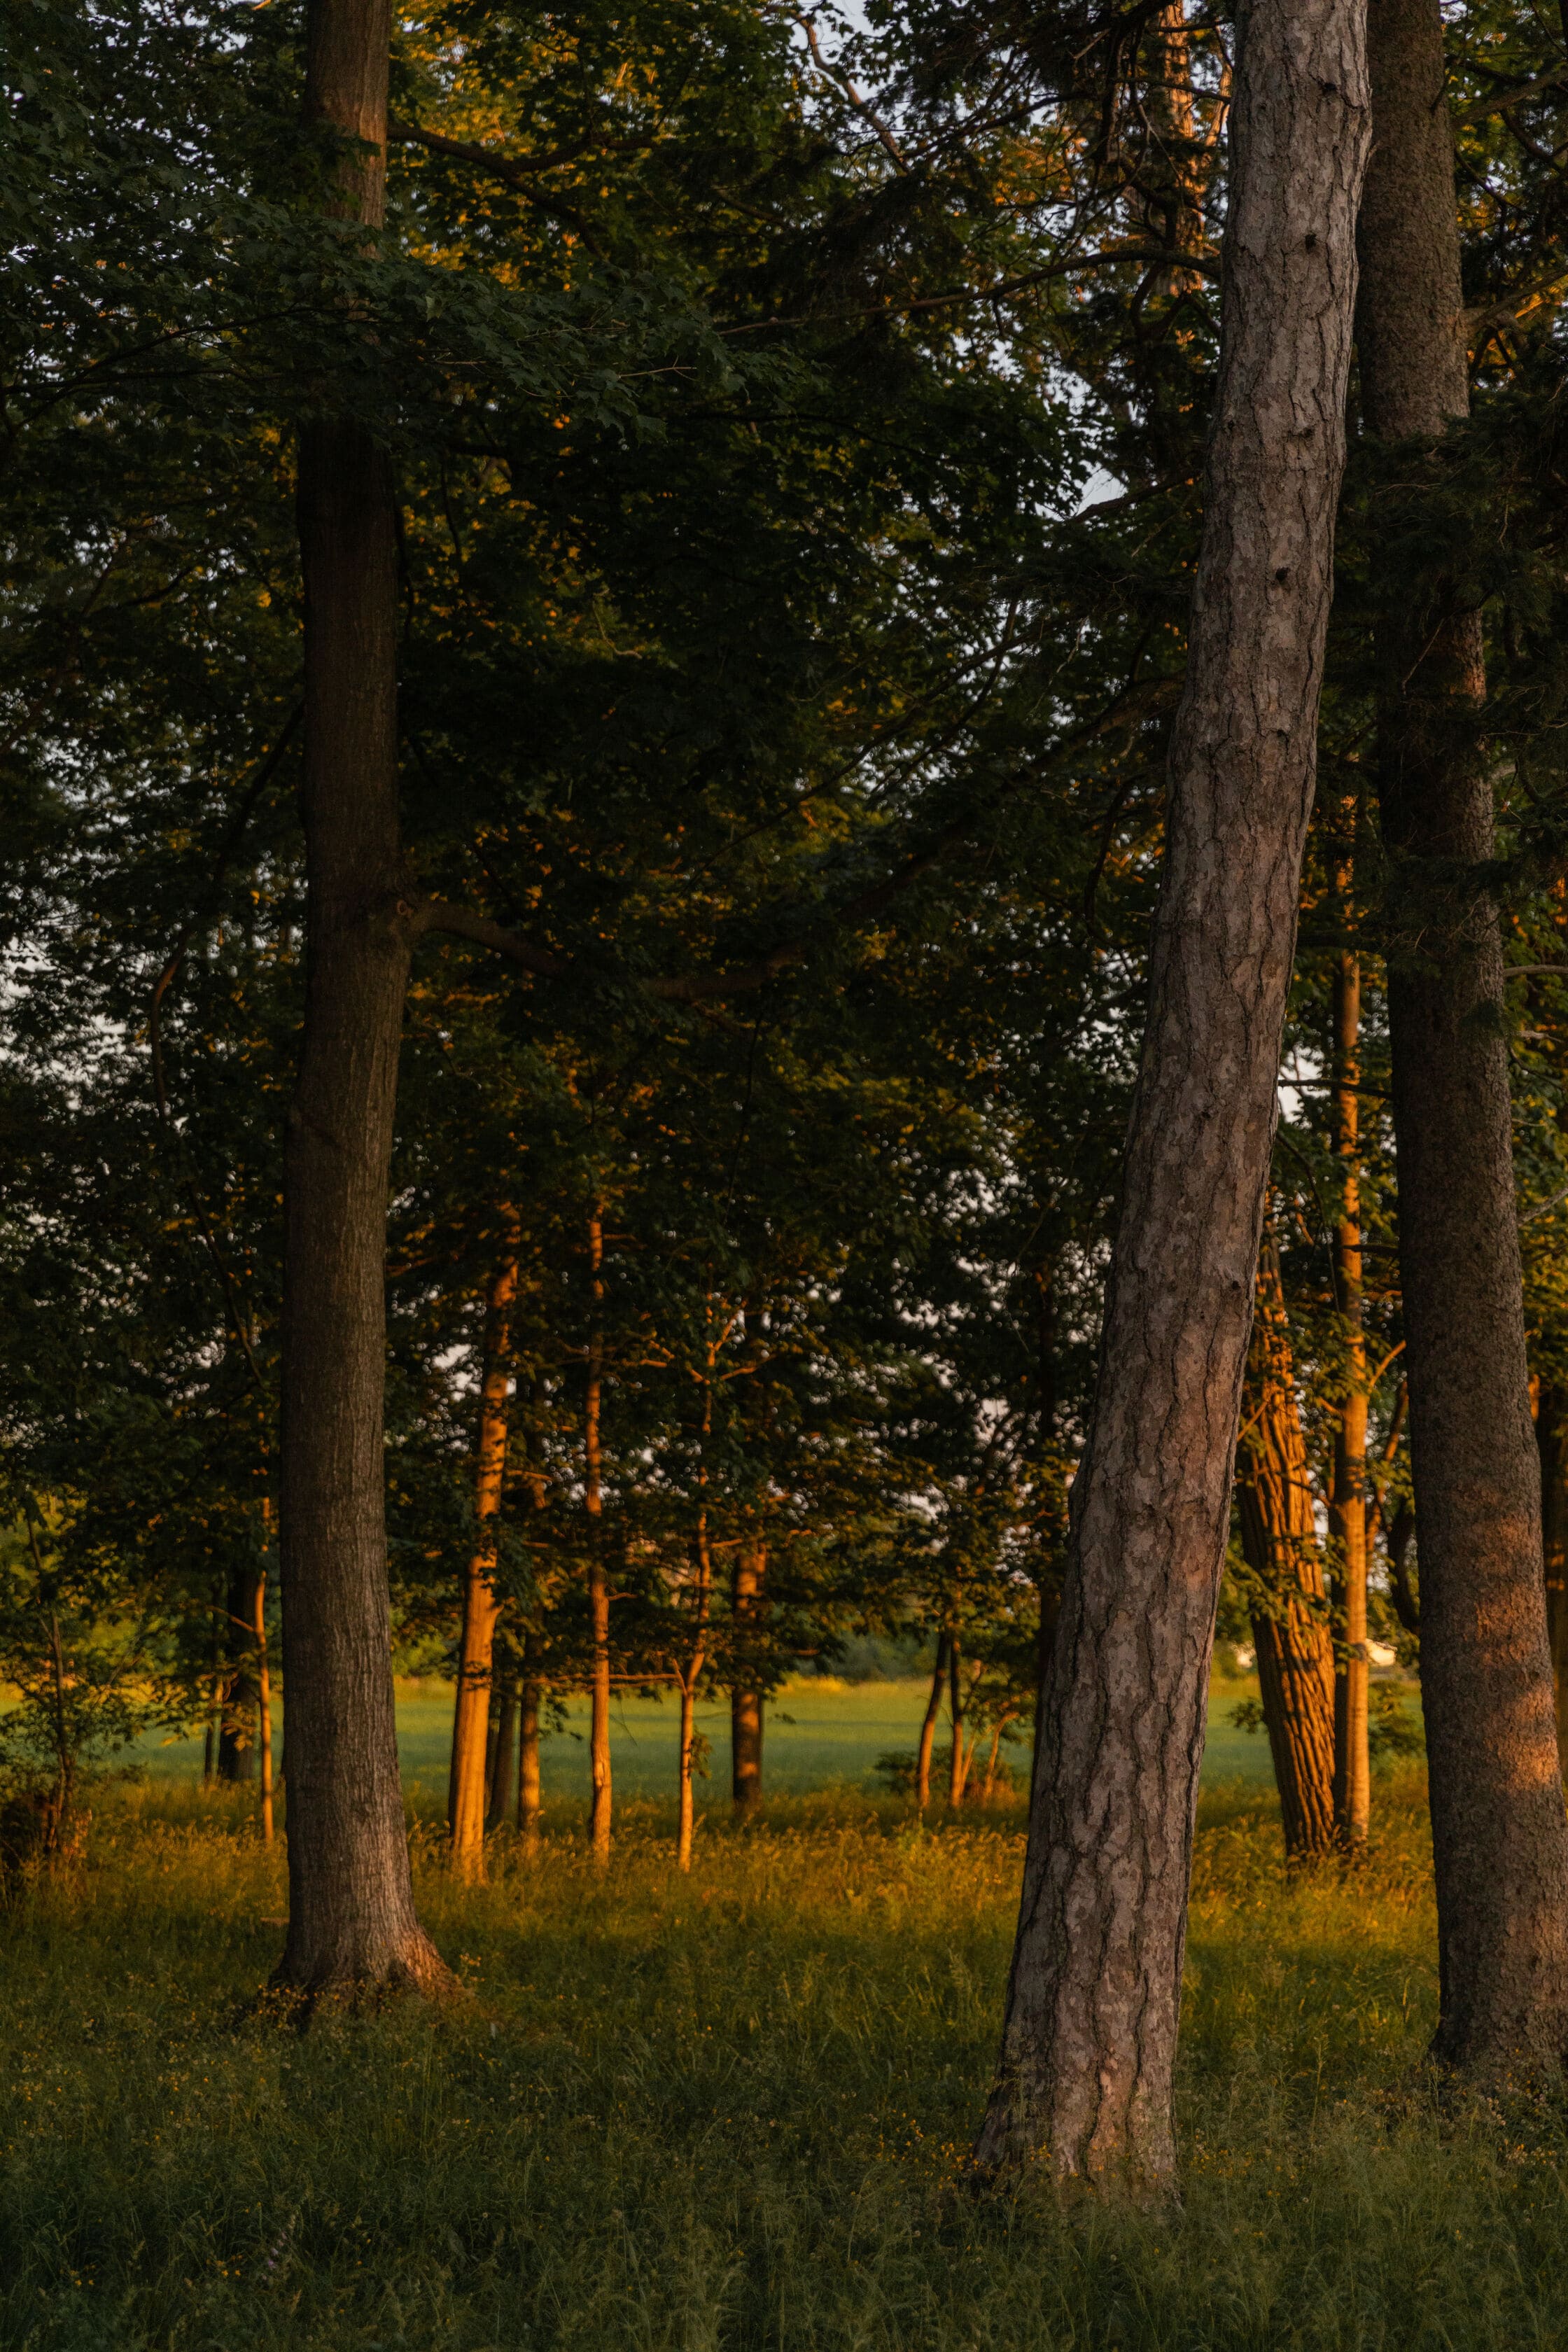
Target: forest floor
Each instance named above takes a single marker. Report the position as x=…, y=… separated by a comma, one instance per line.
x=730, y=2113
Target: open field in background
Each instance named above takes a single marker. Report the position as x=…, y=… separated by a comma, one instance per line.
x=730, y=2114
x=819, y=1732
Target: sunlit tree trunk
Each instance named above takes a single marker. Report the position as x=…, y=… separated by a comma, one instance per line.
x=481, y=1603
x=928, y=1726
x=1347, y=1509
x=1280, y=1539
x=1089, y=2042
x=352, y=1919
x=690, y=1665
x=1500, y=1839
x=955, y=1716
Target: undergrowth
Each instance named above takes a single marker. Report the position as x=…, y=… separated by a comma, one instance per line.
x=733, y=2111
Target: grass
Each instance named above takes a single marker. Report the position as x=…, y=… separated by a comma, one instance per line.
x=730, y=2112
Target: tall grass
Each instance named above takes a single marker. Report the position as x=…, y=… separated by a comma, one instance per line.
x=733, y=2111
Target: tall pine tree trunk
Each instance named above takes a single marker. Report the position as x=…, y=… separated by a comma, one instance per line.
x=1089, y=2036
x=1279, y=1539
x=352, y=1919
x=481, y=1605
x=1347, y=1508
x=1499, y=1833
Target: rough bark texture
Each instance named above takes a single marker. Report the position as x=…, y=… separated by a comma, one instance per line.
x=352, y=1919
x=745, y=1701
x=1279, y=1539
x=481, y=1602
x=1347, y=1508
x=1500, y=1839
x=1089, y=2036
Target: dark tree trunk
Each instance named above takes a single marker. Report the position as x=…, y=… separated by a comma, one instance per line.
x=745, y=1698
x=1089, y=2037
x=1499, y=1833
x=503, y=1762
x=1280, y=1539
x=352, y=1919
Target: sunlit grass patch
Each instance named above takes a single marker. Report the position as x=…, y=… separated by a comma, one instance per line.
x=734, y=2110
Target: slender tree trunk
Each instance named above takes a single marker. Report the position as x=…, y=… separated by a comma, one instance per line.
x=928, y=1726
x=598, y=1582
x=352, y=1918
x=1347, y=1510
x=528, y=1804
x=1498, y=1834
x=692, y=1670
x=1089, y=2037
x=745, y=1699
x=1280, y=1539
x=481, y=1605
x=504, y=1763
x=214, y=1702
x=264, y=1707
x=955, y=1715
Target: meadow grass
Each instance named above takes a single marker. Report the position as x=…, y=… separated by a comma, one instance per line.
x=819, y=1731
x=731, y=2111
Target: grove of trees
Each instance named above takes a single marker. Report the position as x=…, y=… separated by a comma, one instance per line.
x=787, y=860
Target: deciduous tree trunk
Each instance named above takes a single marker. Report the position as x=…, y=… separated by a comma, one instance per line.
x=352, y=1919
x=955, y=1715
x=1498, y=1834
x=503, y=1761
x=1347, y=1508
x=745, y=1699
x=481, y=1603
x=1089, y=2037
x=928, y=1726
x=1280, y=1539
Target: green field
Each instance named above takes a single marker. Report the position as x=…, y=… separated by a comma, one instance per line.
x=819, y=1735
